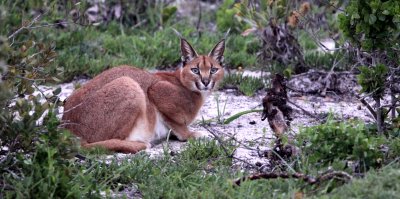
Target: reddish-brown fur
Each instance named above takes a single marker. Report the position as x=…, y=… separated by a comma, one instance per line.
x=119, y=108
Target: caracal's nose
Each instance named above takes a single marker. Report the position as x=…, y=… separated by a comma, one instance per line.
x=205, y=81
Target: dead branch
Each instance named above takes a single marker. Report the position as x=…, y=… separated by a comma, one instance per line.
x=279, y=45
x=231, y=155
x=371, y=110
x=199, y=19
x=320, y=82
x=220, y=141
x=306, y=112
x=275, y=106
x=340, y=175
x=24, y=27
x=327, y=80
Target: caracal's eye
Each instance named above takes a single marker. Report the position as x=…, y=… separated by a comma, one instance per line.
x=213, y=70
x=195, y=70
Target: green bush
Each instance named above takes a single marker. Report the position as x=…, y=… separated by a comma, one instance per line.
x=209, y=152
x=22, y=110
x=376, y=184
x=372, y=24
x=372, y=80
x=246, y=84
x=36, y=154
x=89, y=51
x=47, y=171
x=333, y=141
x=226, y=18
x=241, y=51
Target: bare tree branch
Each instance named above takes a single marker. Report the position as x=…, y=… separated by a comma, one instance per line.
x=24, y=27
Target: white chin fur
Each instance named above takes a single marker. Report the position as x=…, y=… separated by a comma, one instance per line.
x=205, y=93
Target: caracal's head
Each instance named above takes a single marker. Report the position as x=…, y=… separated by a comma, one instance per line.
x=202, y=73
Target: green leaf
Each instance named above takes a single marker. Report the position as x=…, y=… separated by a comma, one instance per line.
x=396, y=19
x=355, y=16
x=381, y=17
x=57, y=91
x=372, y=19
x=386, y=12
x=56, y=79
x=237, y=115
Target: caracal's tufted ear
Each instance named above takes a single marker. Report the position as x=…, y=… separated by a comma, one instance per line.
x=187, y=51
x=218, y=51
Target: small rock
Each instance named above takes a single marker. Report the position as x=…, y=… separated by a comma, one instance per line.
x=252, y=122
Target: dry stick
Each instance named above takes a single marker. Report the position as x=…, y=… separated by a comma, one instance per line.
x=140, y=23
x=222, y=143
x=199, y=19
x=365, y=103
x=29, y=26
x=283, y=160
x=49, y=25
x=392, y=95
x=72, y=108
x=327, y=80
x=392, y=107
x=316, y=71
x=379, y=119
x=306, y=178
x=24, y=27
x=248, y=148
x=332, y=5
x=317, y=40
x=305, y=111
x=237, y=141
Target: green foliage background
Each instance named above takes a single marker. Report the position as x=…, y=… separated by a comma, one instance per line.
x=372, y=24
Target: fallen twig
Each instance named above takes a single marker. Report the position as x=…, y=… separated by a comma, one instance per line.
x=305, y=111
x=24, y=27
x=371, y=110
x=229, y=155
x=199, y=19
x=327, y=79
x=306, y=178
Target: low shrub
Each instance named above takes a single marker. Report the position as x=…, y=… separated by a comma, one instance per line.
x=35, y=154
x=342, y=143
x=248, y=85
x=375, y=184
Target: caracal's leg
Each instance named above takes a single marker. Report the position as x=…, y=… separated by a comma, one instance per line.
x=119, y=145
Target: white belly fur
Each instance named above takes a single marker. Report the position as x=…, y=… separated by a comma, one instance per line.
x=141, y=131
x=160, y=130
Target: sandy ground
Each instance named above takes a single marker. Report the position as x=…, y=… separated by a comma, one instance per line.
x=252, y=134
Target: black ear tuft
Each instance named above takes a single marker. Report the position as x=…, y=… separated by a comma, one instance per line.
x=187, y=51
x=218, y=51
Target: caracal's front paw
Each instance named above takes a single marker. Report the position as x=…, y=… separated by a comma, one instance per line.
x=148, y=145
x=200, y=135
